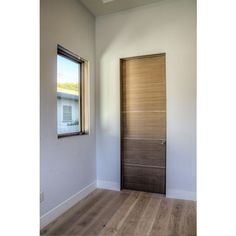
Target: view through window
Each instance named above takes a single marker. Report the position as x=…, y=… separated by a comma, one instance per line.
x=68, y=95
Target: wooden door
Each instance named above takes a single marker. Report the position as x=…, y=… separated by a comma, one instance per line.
x=143, y=123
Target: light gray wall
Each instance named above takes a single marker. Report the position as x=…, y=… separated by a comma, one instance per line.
x=69, y=164
x=170, y=27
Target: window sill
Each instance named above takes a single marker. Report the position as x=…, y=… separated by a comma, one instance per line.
x=72, y=134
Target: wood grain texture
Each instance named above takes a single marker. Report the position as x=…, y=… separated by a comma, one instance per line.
x=187, y=223
x=120, y=216
x=147, y=218
x=132, y=213
x=143, y=122
x=160, y=225
x=98, y=223
x=133, y=218
x=144, y=152
x=85, y=220
x=175, y=217
x=144, y=84
x=146, y=125
x=144, y=178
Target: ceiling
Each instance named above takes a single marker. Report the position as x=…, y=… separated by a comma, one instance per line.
x=103, y=7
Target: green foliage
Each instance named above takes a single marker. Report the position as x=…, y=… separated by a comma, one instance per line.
x=69, y=86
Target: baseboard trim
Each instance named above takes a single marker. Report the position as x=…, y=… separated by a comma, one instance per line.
x=179, y=194
x=108, y=185
x=51, y=215
x=170, y=193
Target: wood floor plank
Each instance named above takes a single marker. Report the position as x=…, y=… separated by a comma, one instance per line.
x=92, y=213
x=131, y=222
x=188, y=220
x=175, y=217
x=95, y=227
x=147, y=219
x=192, y=219
x=162, y=218
x=122, y=213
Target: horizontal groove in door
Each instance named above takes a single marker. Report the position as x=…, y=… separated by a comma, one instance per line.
x=144, y=166
x=143, y=111
x=156, y=139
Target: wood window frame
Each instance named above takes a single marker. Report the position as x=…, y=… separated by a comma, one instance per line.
x=84, y=130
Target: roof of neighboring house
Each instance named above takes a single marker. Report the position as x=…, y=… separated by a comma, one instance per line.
x=68, y=94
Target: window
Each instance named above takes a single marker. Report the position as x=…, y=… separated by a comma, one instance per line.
x=72, y=101
x=67, y=113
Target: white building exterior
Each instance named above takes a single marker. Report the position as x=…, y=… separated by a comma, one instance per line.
x=68, y=120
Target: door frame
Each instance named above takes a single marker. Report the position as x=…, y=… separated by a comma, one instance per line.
x=121, y=98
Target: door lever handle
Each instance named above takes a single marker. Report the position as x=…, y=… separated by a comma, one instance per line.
x=163, y=142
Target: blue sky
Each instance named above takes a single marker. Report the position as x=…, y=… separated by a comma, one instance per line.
x=67, y=70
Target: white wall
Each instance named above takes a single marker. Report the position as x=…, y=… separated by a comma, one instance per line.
x=170, y=27
x=67, y=165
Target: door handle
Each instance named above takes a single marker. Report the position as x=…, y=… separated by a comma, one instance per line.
x=163, y=142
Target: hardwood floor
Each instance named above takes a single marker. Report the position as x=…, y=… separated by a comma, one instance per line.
x=106, y=212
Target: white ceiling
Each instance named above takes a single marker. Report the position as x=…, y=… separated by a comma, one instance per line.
x=98, y=8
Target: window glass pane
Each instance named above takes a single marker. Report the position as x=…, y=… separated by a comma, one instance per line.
x=68, y=97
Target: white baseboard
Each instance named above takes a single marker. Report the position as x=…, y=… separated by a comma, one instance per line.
x=108, y=185
x=179, y=194
x=66, y=205
x=170, y=193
